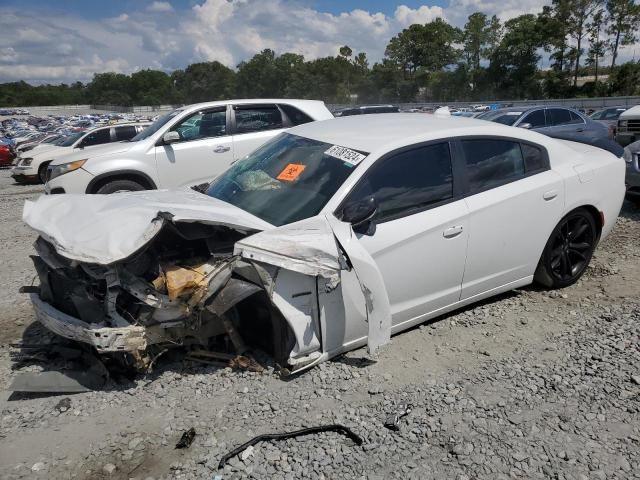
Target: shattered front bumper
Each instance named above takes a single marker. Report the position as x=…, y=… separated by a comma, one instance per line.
x=105, y=339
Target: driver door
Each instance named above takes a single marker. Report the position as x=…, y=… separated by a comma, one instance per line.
x=204, y=150
x=421, y=230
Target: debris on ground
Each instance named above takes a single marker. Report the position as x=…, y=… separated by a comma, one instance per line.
x=186, y=439
x=392, y=422
x=282, y=436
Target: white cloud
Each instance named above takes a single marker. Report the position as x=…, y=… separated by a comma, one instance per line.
x=41, y=47
x=407, y=16
x=160, y=7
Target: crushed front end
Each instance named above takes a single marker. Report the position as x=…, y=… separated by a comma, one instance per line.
x=185, y=288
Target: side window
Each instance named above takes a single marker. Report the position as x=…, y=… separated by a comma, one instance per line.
x=535, y=118
x=599, y=115
x=491, y=163
x=575, y=118
x=257, y=118
x=203, y=124
x=534, y=158
x=559, y=116
x=97, y=138
x=408, y=182
x=125, y=133
x=296, y=116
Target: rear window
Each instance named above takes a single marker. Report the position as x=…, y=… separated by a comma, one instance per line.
x=296, y=116
x=125, y=133
x=491, y=163
x=257, y=118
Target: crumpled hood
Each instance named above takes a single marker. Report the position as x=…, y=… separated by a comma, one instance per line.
x=104, y=229
x=94, y=152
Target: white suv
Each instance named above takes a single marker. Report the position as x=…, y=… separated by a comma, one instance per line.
x=186, y=147
x=31, y=166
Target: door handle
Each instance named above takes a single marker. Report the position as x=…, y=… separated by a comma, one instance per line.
x=452, y=231
x=550, y=195
x=221, y=149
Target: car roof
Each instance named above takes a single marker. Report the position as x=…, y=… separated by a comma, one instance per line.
x=250, y=101
x=386, y=131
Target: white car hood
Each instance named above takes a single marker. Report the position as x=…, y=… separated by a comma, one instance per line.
x=104, y=229
x=44, y=151
x=93, y=152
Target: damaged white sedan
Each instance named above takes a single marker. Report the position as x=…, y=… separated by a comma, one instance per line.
x=329, y=237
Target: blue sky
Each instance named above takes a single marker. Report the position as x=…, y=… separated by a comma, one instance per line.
x=68, y=40
x=100, y=9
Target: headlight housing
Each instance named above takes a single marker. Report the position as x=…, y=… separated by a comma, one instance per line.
x=622, y=123
x=57, y=170
x=25, y=162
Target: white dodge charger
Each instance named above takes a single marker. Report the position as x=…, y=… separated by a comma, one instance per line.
x=330, y=236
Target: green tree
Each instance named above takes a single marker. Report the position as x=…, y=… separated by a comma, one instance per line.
x=109, y=88
x=513, y=65
x=623, y=17
x=207, y=81
x=475, y=36
x=150, y=87
x=597, y=46
x=581, y=12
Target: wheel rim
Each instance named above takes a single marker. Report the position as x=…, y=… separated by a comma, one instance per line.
x=571, y=247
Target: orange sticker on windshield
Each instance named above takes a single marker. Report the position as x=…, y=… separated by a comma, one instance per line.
x=291, y=172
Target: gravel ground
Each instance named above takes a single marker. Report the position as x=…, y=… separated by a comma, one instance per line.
x=532, y=384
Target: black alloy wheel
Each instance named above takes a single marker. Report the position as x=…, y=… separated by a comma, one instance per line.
x=569, y=250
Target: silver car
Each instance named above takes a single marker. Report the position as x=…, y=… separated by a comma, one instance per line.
x=632, y=178
x=547, y=119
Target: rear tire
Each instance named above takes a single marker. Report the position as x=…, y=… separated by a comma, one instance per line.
x=568, y=250
x=117, y=186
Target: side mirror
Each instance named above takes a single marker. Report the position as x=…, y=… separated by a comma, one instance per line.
x=360, y=215
x=170, y=137
x=525, y=125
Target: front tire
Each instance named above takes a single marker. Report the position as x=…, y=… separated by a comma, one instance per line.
x=42, y=172
x=117, y=186
x=568, y=250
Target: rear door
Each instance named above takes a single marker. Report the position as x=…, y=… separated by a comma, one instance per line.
x=204, y=151
x=514, y=201
x=562, y=120
x=253, y=125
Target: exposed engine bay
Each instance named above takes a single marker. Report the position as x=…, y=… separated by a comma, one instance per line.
x=185, y=288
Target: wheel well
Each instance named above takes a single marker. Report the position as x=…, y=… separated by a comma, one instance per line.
x=138, y=177
x=597, y=217
x=44, y=165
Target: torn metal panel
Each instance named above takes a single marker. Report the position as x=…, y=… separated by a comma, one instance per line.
x=103, y=229
x=124, y=339
x=371, y=283
x=233, y=293
x=306, y=247
x=295, y=295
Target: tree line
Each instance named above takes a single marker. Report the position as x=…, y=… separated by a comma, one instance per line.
x=436, y=61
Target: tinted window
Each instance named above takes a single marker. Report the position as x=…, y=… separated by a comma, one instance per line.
x=505, y=118
x=534, y=159
x=257, y=119
x=408, y=181
x=97, y=138
x=535, y=118
x=612, y=114
x=203, y=124
x=125, y=133
x=598, y=115
x=296, y=116
x=287, y=179
x=491, y=163
x=575, y=118
x=559, y=116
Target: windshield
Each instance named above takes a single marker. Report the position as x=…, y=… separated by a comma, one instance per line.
x=505, y=118
x=70, y=140
x=155, y=126
x=289, y=178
